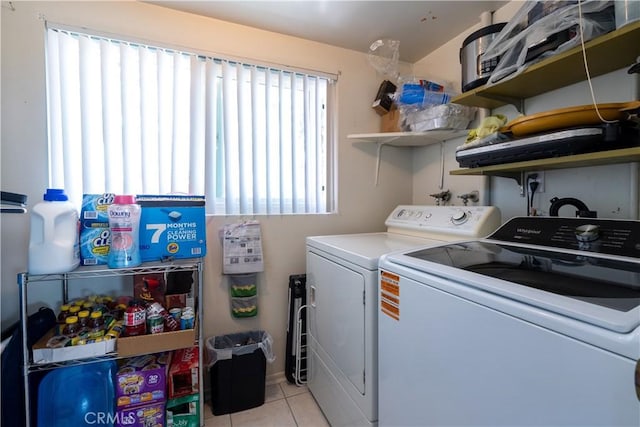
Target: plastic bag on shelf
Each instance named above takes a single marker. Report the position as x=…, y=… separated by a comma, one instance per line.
x=544, y=28
x=422, y=93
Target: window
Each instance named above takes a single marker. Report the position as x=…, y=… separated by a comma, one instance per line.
x=130, y=118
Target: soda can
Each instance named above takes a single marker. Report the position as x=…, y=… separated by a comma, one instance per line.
x=155, y=324
x=175, y=313
x=186, y=321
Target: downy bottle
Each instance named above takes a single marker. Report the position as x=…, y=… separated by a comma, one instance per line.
x=124, y=224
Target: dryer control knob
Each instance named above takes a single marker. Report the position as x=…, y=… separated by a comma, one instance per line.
x=459, y=217
x=587, y=233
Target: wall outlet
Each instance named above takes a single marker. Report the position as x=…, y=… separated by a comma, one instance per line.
x=539, y=178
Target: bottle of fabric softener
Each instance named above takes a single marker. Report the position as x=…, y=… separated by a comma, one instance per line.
x=124, y=224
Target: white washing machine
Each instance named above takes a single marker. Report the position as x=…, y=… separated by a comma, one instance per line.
x=342, y=295
x=537, y=325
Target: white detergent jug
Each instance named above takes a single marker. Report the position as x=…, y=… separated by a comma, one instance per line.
x=53, y=240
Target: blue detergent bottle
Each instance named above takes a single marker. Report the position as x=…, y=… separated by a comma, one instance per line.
x=80, y=395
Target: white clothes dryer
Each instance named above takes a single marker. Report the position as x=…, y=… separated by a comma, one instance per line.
x=342, y=299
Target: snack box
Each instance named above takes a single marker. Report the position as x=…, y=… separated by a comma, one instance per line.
x=151, y=415
x=141, y=380
x=183, y=372
x=184, y=411
x=172, y=227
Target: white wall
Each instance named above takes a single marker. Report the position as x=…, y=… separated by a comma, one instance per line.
x=362, y=206
x=610, y=190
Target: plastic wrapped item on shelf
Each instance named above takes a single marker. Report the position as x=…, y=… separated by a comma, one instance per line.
x=423, y=94
x=544, y=28
x=447, y=116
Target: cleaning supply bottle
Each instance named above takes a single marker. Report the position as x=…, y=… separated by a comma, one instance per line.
x=124, y=224
x=53, y=238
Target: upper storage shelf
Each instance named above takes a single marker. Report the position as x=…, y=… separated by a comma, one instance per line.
x=512, y=170
x=409, y=139
x=609, y=52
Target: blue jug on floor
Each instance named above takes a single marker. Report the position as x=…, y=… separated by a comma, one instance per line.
x=80, y=395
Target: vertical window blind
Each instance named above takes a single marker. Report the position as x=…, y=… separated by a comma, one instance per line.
x=130, y=118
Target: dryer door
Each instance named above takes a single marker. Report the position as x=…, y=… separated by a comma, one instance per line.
x=336, y=315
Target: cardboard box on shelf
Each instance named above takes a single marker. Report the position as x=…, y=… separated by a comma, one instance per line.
x=142, y=380
x=43, y=354
x=151, y=415
x=390, y=122
x=184, y=411
x=172, y=227
x=94, y=228
x=155, y=343
x=124, y=346
x=183, y=372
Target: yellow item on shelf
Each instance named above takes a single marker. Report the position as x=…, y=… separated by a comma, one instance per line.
x=488, y=126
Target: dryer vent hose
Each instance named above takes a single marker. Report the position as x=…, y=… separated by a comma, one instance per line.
x=582, y=209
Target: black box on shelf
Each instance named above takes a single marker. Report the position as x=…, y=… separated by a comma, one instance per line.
x=384, y=101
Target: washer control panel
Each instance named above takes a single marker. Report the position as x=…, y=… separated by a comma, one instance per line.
x=607, y=236
x=457, y=221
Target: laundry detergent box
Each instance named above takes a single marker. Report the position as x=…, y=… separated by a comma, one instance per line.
x=172, y=227
x=142, y=380
x=95, y=236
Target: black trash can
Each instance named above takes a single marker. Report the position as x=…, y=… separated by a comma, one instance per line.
x=238, y=370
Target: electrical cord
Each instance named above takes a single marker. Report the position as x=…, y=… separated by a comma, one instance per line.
x=531, y=188
x=586, y=67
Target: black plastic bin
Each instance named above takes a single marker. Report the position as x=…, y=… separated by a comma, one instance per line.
x=238, y=370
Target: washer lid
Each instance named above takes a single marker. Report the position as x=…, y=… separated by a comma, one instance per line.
x=365, y=249
x=602, y=290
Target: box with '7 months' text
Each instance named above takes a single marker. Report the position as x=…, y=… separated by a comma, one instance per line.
x=172, y=227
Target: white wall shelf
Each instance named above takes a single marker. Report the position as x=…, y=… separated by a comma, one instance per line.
x=409, y=139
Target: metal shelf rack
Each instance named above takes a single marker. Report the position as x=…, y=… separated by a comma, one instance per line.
x=83, y=273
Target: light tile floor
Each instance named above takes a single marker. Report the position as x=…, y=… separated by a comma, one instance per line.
x=285, y=405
